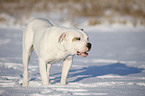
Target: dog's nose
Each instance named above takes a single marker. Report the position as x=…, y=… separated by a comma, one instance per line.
x=89, y=46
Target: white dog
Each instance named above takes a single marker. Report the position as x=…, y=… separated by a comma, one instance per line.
x=52, y=44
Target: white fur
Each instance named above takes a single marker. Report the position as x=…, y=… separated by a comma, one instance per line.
x=51, y=44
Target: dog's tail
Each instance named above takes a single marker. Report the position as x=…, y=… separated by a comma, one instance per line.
x=27, y=39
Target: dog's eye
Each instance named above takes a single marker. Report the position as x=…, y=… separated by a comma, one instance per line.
x=76, y=39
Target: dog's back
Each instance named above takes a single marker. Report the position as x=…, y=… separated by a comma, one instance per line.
x=35, y=25
x=40, y=24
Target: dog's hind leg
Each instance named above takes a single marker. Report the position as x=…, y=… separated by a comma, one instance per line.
x=26, y=58
x=27, y=50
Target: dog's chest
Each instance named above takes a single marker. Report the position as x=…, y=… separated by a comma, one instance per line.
x=56, y=58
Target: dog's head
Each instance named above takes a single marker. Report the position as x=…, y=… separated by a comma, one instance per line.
x=76, y=41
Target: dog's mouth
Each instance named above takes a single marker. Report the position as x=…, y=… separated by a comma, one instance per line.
x=83, y=54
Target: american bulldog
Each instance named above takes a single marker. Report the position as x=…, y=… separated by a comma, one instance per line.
x=52, y=44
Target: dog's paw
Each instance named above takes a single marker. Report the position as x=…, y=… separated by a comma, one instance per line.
x=45, y=83
x=25, y=84
x=63, y=83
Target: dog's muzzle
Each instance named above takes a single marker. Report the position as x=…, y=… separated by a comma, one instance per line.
x=89, y=46
x=84, y=54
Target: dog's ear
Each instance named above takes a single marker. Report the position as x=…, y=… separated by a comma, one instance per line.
x=62, y=37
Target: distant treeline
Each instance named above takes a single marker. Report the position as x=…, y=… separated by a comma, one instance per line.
x=75, y=8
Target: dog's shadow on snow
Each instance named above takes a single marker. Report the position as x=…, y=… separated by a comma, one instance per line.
x=93, y=71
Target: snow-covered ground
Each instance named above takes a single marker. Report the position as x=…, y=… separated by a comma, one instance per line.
x=115, y=65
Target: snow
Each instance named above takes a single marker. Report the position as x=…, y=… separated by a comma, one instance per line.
x=115, y=65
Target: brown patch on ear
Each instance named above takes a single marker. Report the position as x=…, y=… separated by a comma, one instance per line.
x=62, y=37
x=82, y=29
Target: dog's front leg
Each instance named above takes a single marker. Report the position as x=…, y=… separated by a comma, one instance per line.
x=43, y=72
x=48, y=71
x=65, y=69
